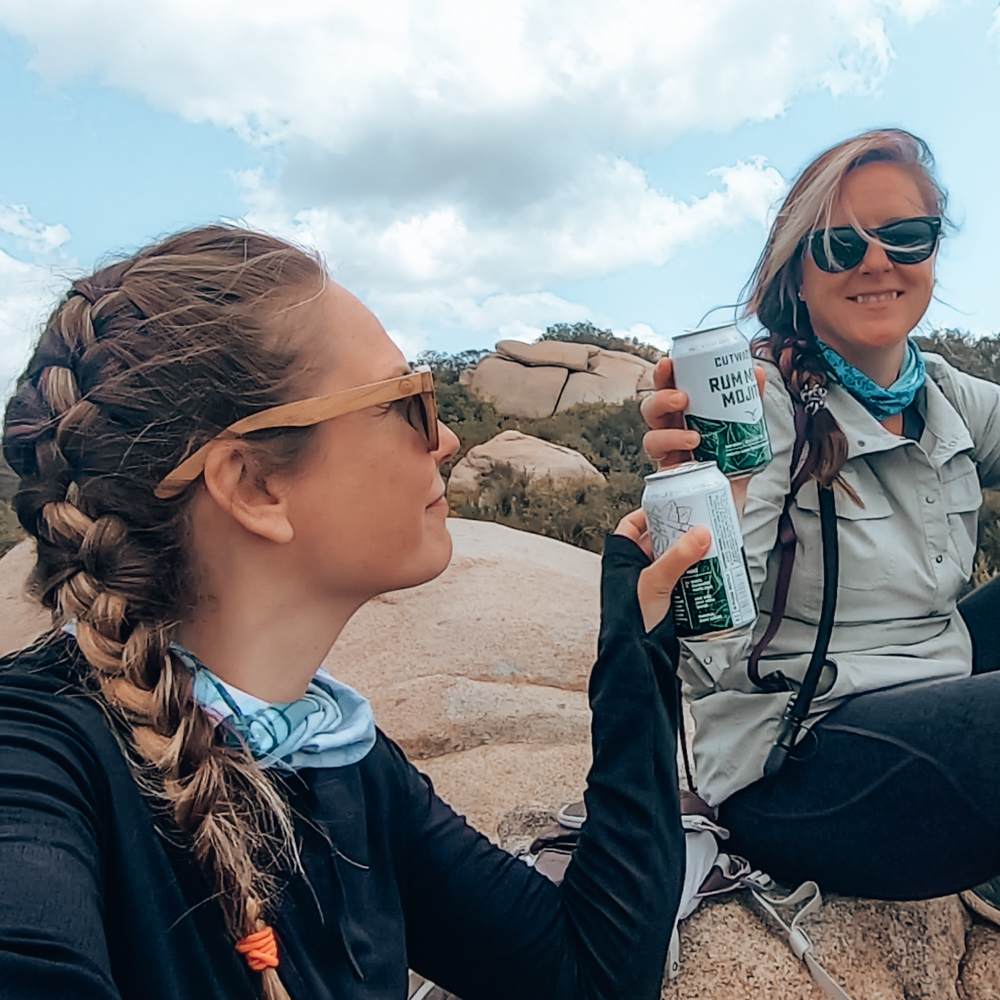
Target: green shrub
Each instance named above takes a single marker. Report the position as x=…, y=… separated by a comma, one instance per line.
x=8, y=481
x=580, y=515
x=587, y=333
x=447, y=367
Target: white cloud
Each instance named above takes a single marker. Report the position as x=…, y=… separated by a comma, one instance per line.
x=450, y=157
x=453, y=267
x=338, y=71
x=28, y=287
x=607, y=219
x=28, y=292
x=39, y=238
x=646, y=334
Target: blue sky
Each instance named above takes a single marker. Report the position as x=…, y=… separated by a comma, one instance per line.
x=476, y=171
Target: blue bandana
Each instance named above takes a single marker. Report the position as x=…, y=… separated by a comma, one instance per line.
x=331, y=725
x=879, y=402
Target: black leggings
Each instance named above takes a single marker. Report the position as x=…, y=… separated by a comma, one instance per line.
x=898, y=796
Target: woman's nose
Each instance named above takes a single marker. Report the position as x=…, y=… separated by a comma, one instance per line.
x=448, y=444
x=875, y=260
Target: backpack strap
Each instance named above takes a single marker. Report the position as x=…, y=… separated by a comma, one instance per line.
x=787, y=539
x=797, y=709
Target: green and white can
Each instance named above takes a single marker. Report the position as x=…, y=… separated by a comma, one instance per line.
x=714, y=597
x=715, y=369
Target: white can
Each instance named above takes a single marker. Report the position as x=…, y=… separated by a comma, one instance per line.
x=715, y=368
x=714, y=597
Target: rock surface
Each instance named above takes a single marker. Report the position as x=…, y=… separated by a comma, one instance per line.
x=562, y=354
x=981, y=964
x=523, y=453
x=496, y=650
x=537, y=380
x=518, y=390
x=22, y=618
x=875, y=950
x=482, y=673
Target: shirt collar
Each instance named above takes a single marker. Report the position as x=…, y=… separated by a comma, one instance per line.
x=945, y=433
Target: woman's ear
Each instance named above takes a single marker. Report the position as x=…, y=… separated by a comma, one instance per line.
x=233, y=479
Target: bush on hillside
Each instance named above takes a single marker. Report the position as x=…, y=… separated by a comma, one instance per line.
x=979, y=356
x=580, y=515
x=447, y=367
x=587, y=333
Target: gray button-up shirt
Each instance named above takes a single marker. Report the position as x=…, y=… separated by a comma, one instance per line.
x=904, y=557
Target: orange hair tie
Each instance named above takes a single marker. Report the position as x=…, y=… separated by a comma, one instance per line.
x=260, y=949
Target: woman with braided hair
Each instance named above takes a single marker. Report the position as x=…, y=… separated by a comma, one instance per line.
x=893, y=789
x=222, y=457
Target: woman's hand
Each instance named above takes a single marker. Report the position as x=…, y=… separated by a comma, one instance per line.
x=657, y=582
x=669, y=443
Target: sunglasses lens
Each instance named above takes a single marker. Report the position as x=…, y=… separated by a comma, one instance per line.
x=422, y=416
x=911, y=241
x=847, y=249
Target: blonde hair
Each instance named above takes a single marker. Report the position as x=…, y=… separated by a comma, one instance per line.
x=142, y=363
x=774, y=285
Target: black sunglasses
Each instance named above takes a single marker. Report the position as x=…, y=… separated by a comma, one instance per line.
x=909, y=241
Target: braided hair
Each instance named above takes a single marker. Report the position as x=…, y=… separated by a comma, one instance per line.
x=774, y=286
x=142, y=363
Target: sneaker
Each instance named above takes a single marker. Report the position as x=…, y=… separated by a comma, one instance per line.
x=572, y=816
x=984, y=900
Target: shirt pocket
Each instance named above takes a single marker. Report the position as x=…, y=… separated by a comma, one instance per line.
x=703, y=662
x=962, y=496
x=866, y=541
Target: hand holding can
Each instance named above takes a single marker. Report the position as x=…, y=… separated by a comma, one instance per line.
x=658, y=581
x=668, y=443
x=716, y=370
x=714, y=597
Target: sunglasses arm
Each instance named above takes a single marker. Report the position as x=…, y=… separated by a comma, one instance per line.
x=301, y=413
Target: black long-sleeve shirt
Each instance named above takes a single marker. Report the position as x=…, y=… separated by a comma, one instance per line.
x=95, y=903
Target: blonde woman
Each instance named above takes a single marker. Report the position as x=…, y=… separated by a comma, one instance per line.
x=222, y=457
x=894, y=791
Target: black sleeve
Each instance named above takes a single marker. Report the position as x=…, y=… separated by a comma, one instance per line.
x=486, y=926
x=51, y=911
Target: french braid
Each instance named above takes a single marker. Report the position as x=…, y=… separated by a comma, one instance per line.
x=141, y=364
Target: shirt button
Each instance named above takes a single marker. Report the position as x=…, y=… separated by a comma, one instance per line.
x=938, y=559
x=708, y=659
x=929, y=499
x=861, y=444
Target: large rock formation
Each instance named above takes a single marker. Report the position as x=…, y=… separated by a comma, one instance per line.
x=537, y=380
x=529, y=455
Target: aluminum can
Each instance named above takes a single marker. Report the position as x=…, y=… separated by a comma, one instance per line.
x=715, y=369
x=714, y=597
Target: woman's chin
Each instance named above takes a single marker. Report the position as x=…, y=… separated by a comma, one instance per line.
x=432, y=562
